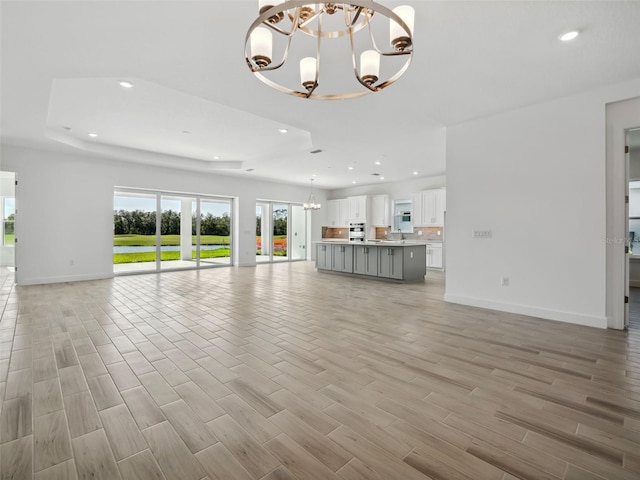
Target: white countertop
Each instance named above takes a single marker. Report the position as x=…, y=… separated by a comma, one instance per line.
x=374, y=243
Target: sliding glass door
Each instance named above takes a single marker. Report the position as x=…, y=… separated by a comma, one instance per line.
x=134, y=232
x=280, y=237
x=215, y=232
x=188, y=232
x=280, y=232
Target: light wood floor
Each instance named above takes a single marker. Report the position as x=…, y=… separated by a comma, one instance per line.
x=278, y=372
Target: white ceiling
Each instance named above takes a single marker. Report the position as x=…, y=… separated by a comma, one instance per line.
x=61, y=62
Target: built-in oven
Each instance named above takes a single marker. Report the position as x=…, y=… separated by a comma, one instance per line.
x=357, y=232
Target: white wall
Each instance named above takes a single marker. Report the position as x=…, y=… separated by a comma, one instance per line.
x=66, y=209
x=535, y=177
x=396, y=190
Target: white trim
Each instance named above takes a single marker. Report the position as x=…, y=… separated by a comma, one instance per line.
x=70, y=278
x=545, y=313
x=620, y=116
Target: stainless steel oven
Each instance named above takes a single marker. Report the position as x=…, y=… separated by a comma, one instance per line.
x=357, y=232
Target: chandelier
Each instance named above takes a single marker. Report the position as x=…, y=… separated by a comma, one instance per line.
x=311, y=203
x=315, y=25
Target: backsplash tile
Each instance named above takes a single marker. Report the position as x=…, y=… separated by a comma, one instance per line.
x=330, y=232
x=428, y=233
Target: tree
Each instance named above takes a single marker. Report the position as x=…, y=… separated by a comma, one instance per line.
x=280, y=221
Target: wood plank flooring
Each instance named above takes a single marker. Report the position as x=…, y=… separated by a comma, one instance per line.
x=279, y=372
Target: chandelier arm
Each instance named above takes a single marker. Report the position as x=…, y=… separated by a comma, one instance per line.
x=355, y=18
x=308, y=20
x=356, y=72
x=254, y=68
x=391, y=80
x=318, y=44
x=285, y=55
x=392, y=53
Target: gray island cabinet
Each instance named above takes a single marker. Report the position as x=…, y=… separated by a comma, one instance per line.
x=396, y=261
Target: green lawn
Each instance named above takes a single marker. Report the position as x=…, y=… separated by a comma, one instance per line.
x=166, y=256
x=9, y=238
x=150, y=240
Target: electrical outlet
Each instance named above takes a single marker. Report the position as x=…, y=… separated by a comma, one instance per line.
x=504, y=281
x=439, y=232
x=419, y=232
x=480, y=233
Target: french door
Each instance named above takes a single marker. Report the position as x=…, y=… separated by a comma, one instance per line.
x=280, y=232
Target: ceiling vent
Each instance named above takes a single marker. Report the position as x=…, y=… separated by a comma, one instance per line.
x=375, y=174
x=318, y=150
x=249, y=169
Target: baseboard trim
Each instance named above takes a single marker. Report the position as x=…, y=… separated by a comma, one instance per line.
x=634, y=283
x=547, y=314
x=70, y=278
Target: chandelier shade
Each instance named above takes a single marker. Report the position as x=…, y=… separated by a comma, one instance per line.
x=348, y=36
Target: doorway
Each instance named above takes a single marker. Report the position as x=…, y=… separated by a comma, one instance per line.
x=281, y=232
x=621, y=118
x=8, y=203
x=632, y=311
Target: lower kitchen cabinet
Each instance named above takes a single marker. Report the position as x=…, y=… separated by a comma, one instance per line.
x=434, y=255
x=390, y=262
x=323, y=257
x=342, y=258
x=406, y=263
x=365, y=260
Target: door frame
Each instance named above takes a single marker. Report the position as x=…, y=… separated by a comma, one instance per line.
x=620, y=118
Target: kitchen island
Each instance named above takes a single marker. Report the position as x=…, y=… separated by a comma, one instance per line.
x=400, y=261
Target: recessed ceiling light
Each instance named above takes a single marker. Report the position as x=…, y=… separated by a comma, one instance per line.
x=125, y=84
x=93, y=135
x=381, y=178
x=568, y=36
x=283, y=130
x=216, y=157
x=350, y=168
x=354, y=182
x=415, y=173
x=378, y=162
x=315, y=175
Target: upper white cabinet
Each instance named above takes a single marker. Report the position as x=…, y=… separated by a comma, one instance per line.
x=358, y=209
x=380, y=211
x=428, y=208
x=338, y=213
x=374, y=210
